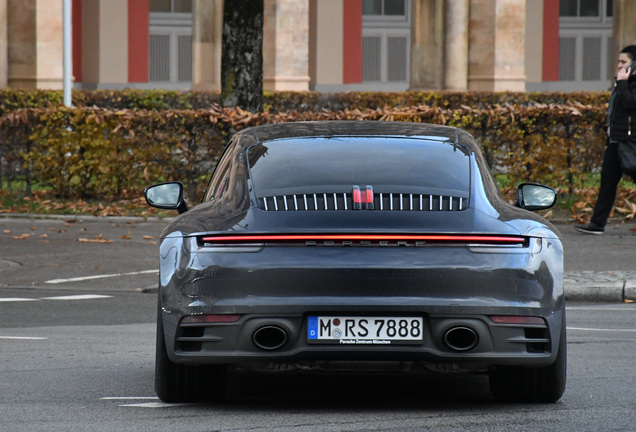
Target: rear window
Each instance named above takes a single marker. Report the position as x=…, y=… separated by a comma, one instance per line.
x=334, y=165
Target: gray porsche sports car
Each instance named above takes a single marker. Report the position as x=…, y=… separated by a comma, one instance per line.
x=358, y=245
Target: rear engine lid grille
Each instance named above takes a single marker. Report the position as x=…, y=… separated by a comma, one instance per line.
x=381, y=202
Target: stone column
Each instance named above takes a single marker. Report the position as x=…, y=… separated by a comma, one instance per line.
x=624, y=30
x=35, y=44
x=427, y=45
x=326, y=42
x=104, y=43
x=286, y=45
x=496, y=51
x=207, y=38
x=456, y=48
x=4, y=47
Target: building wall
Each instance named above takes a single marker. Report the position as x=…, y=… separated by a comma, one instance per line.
x=4, y=45
x=286, y=45
x=34, y=29
x=455, y=44
x=456, y=29
x=104, y=42
x=137, y=42
x=497, y=45
x=326, y=57
x=534, y=42
x=207, y=35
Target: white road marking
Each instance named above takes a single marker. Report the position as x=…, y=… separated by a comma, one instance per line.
x=78, y=297
x=130, y=398
x=70, y=297
x=85, y=278
x=16, y=299
x=625, y=308
x=22, y=338
x=602, y=330
x=156, y=405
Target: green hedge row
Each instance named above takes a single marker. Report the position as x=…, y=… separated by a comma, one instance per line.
x=98, y=152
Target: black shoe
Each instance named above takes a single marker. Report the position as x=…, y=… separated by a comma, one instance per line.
x=590, y=228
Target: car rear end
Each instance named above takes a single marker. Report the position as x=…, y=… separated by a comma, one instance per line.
x=345, y=259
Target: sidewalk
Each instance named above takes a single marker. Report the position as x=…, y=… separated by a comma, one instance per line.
x=600, y=268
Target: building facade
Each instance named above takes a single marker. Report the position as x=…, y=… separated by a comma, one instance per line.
x=324, y=45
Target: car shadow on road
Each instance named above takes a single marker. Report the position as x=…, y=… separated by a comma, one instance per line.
x=356, y=391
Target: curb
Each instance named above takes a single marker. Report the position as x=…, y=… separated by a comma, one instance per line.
x=87, y=218
x=593, y=286
x=599, y=293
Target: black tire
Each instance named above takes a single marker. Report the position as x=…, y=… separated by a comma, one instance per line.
x=524, y=384
x=181, y=383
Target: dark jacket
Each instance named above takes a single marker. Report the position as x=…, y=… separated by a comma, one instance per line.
x=622, y=111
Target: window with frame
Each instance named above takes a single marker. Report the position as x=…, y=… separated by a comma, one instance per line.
x=384, y=8
x=170, y=6
x=586, y=8
x=385, y=41
x=170, y=44
x=585, y=42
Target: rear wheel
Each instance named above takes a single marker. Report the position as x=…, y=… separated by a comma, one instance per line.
x=524, y=384
x=183, y=383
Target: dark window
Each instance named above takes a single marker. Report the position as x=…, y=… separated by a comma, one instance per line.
x=389, y=165
x=384, y=7
x=589, y=8
x=372, y=7
x=583, y=8
x=394, y=7
x=568, y=8
x=170, y=6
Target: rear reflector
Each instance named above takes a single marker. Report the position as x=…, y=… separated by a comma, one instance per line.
x=266, y=238
x=515, y=319
x=208, y=319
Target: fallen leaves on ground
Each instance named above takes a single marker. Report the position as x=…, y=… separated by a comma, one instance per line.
x=99, y=239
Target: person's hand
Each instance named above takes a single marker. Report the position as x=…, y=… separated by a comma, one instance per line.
x=623, y=74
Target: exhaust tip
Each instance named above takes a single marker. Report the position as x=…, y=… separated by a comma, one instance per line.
x=461, y=338
x=269, y=337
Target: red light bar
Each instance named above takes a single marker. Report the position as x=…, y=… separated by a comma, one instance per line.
x=515, y=319
x=209, y=319
x=448, y=238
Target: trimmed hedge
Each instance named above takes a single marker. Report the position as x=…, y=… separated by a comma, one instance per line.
x=14, y=99
x=91, y=152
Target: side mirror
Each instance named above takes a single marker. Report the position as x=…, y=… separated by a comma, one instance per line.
x=534, y=196
x=168, y=196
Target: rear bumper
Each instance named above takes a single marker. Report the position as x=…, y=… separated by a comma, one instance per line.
x=495, y=344
x=280, y=287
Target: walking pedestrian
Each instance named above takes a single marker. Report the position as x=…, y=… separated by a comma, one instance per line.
x=621, y=121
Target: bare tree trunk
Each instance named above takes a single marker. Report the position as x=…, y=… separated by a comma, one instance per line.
x=242, y=56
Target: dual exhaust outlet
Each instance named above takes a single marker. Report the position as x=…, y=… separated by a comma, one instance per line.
x=269, y=337
x=459, y=338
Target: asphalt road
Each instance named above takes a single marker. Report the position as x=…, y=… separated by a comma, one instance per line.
x=88, y=370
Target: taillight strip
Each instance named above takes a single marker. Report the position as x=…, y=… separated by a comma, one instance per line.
x=449, y=238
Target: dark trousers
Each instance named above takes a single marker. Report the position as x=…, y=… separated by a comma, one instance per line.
x=611, y=174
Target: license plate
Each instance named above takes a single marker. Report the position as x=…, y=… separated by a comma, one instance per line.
x=357, y=330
